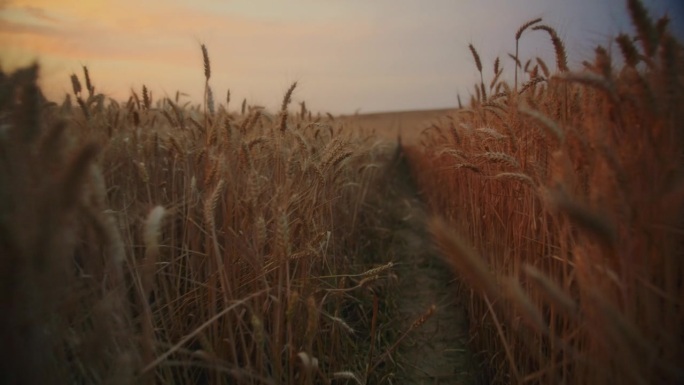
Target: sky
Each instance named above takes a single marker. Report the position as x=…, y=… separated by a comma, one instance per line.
x=346, y=55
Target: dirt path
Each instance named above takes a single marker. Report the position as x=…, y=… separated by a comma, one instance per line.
x=436, y=352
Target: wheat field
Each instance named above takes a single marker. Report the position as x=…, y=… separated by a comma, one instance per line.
x=162, y=240
x=559, y=201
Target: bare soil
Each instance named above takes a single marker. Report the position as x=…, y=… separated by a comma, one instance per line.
x=437, y=351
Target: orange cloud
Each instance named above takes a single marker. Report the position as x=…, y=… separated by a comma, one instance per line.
x=158, y=45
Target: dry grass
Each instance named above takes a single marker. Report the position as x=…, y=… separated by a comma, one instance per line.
x=569, y=235
x=160, y=242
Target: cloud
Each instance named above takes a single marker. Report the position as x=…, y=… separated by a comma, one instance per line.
x=42, y=15
x=8, y=27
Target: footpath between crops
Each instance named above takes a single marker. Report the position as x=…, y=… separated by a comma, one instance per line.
x=428, y=323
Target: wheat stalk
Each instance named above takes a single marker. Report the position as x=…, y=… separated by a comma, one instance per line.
x=468, y=166
x=75, y=176
x=500, y=157
x=518, y=35
x=211, y=203
x=558, y=46
x=490, y=131
x=543, y=66
x=207, y=64
x=516, y=176
x=554, y=294
x=593, y=80
x=76, y=85
x=283, y=108
x=478, y=64
x=151, y=240
x=644, y=26
x=89, y=84
x=629, y=51
x=146, y=98
x=527, y=309
x=187, y=338
x=348, y=375
x=551, y=126
x=462, y=257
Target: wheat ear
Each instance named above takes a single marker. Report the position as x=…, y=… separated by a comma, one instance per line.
x=518, y=34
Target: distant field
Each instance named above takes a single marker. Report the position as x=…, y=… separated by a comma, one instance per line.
x=389, y=124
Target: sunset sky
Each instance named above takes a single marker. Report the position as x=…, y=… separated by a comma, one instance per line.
x=347, y=55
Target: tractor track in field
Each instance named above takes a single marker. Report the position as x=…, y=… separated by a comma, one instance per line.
x=435, y=352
